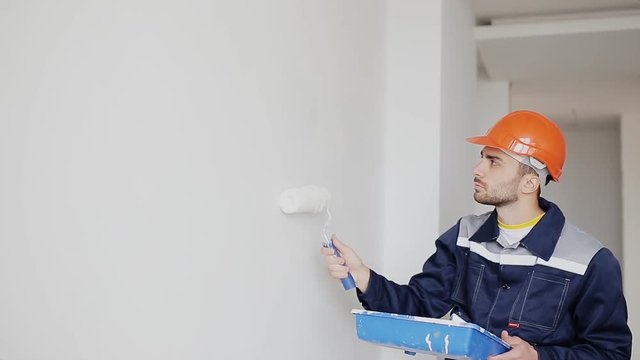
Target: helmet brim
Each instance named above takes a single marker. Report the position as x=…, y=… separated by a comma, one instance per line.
x=483, y=140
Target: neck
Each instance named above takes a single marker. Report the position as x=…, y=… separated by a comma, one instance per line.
x=519, y=211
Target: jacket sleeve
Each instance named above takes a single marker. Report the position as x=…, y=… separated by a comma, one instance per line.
x=427, y=294
x=600, y=316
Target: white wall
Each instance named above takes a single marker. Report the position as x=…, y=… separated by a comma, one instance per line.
x=143, y=146
x=589, y=191
x=411, y=134
x=412, y=123
x=630, y=132
x=458, y=118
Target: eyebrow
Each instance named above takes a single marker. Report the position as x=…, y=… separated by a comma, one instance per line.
x=490, y=157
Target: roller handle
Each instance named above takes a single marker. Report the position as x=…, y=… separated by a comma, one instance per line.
x=347, y=283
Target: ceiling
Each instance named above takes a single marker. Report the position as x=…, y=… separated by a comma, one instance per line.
x=577, y=60
x=485, y=10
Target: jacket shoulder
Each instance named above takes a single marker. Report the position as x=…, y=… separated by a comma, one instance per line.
x=576, y=245
x=468, y=225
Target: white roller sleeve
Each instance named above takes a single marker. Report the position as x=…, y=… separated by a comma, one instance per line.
x=306, y=199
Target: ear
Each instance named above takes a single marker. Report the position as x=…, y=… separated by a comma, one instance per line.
x=530, y=184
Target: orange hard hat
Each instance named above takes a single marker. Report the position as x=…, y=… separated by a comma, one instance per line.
x=528, y=133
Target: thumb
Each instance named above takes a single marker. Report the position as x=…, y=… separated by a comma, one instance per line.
x=342, y=247
x=504, y=335
x=345, y=251
x=511, y=340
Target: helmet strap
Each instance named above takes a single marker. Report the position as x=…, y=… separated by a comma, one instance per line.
x=539, y=167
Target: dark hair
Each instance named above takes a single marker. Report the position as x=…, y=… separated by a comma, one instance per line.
x=526, y=169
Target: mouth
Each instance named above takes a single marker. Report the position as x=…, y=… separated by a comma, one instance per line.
x=478, y=185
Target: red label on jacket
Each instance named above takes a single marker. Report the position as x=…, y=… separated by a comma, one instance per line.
x=513, y=325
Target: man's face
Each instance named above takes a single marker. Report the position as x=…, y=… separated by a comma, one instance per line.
x=496, y=178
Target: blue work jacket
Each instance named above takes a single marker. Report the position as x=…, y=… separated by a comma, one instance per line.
x=560, y=290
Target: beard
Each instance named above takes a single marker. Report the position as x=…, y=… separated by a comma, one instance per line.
x=499, y=195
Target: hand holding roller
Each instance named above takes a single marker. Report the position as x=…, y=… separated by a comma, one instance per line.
x=312, y=199
x=348, y=283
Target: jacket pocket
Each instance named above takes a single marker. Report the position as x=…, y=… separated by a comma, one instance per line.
x=468, y=284
x=540, y=302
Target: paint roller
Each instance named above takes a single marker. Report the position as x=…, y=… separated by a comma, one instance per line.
x=312, y=199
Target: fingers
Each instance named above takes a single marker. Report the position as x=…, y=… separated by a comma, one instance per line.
x=341, y=261
x=509, y=355
x=511, y=340
x=331, y=260
x=341, y=248
x=326, y=251
x=338, y=271
x=520, y=349
x=335, y=265
x=504, y=335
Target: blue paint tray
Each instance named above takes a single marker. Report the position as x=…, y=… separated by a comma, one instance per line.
x=438, y=337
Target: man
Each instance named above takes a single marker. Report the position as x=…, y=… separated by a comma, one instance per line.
x=521, y=271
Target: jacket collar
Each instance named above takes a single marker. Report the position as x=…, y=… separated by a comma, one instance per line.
x=541, y=240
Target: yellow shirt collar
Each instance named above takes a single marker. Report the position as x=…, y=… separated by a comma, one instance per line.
x=526, y=224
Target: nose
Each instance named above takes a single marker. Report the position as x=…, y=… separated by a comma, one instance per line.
x=478, y=169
